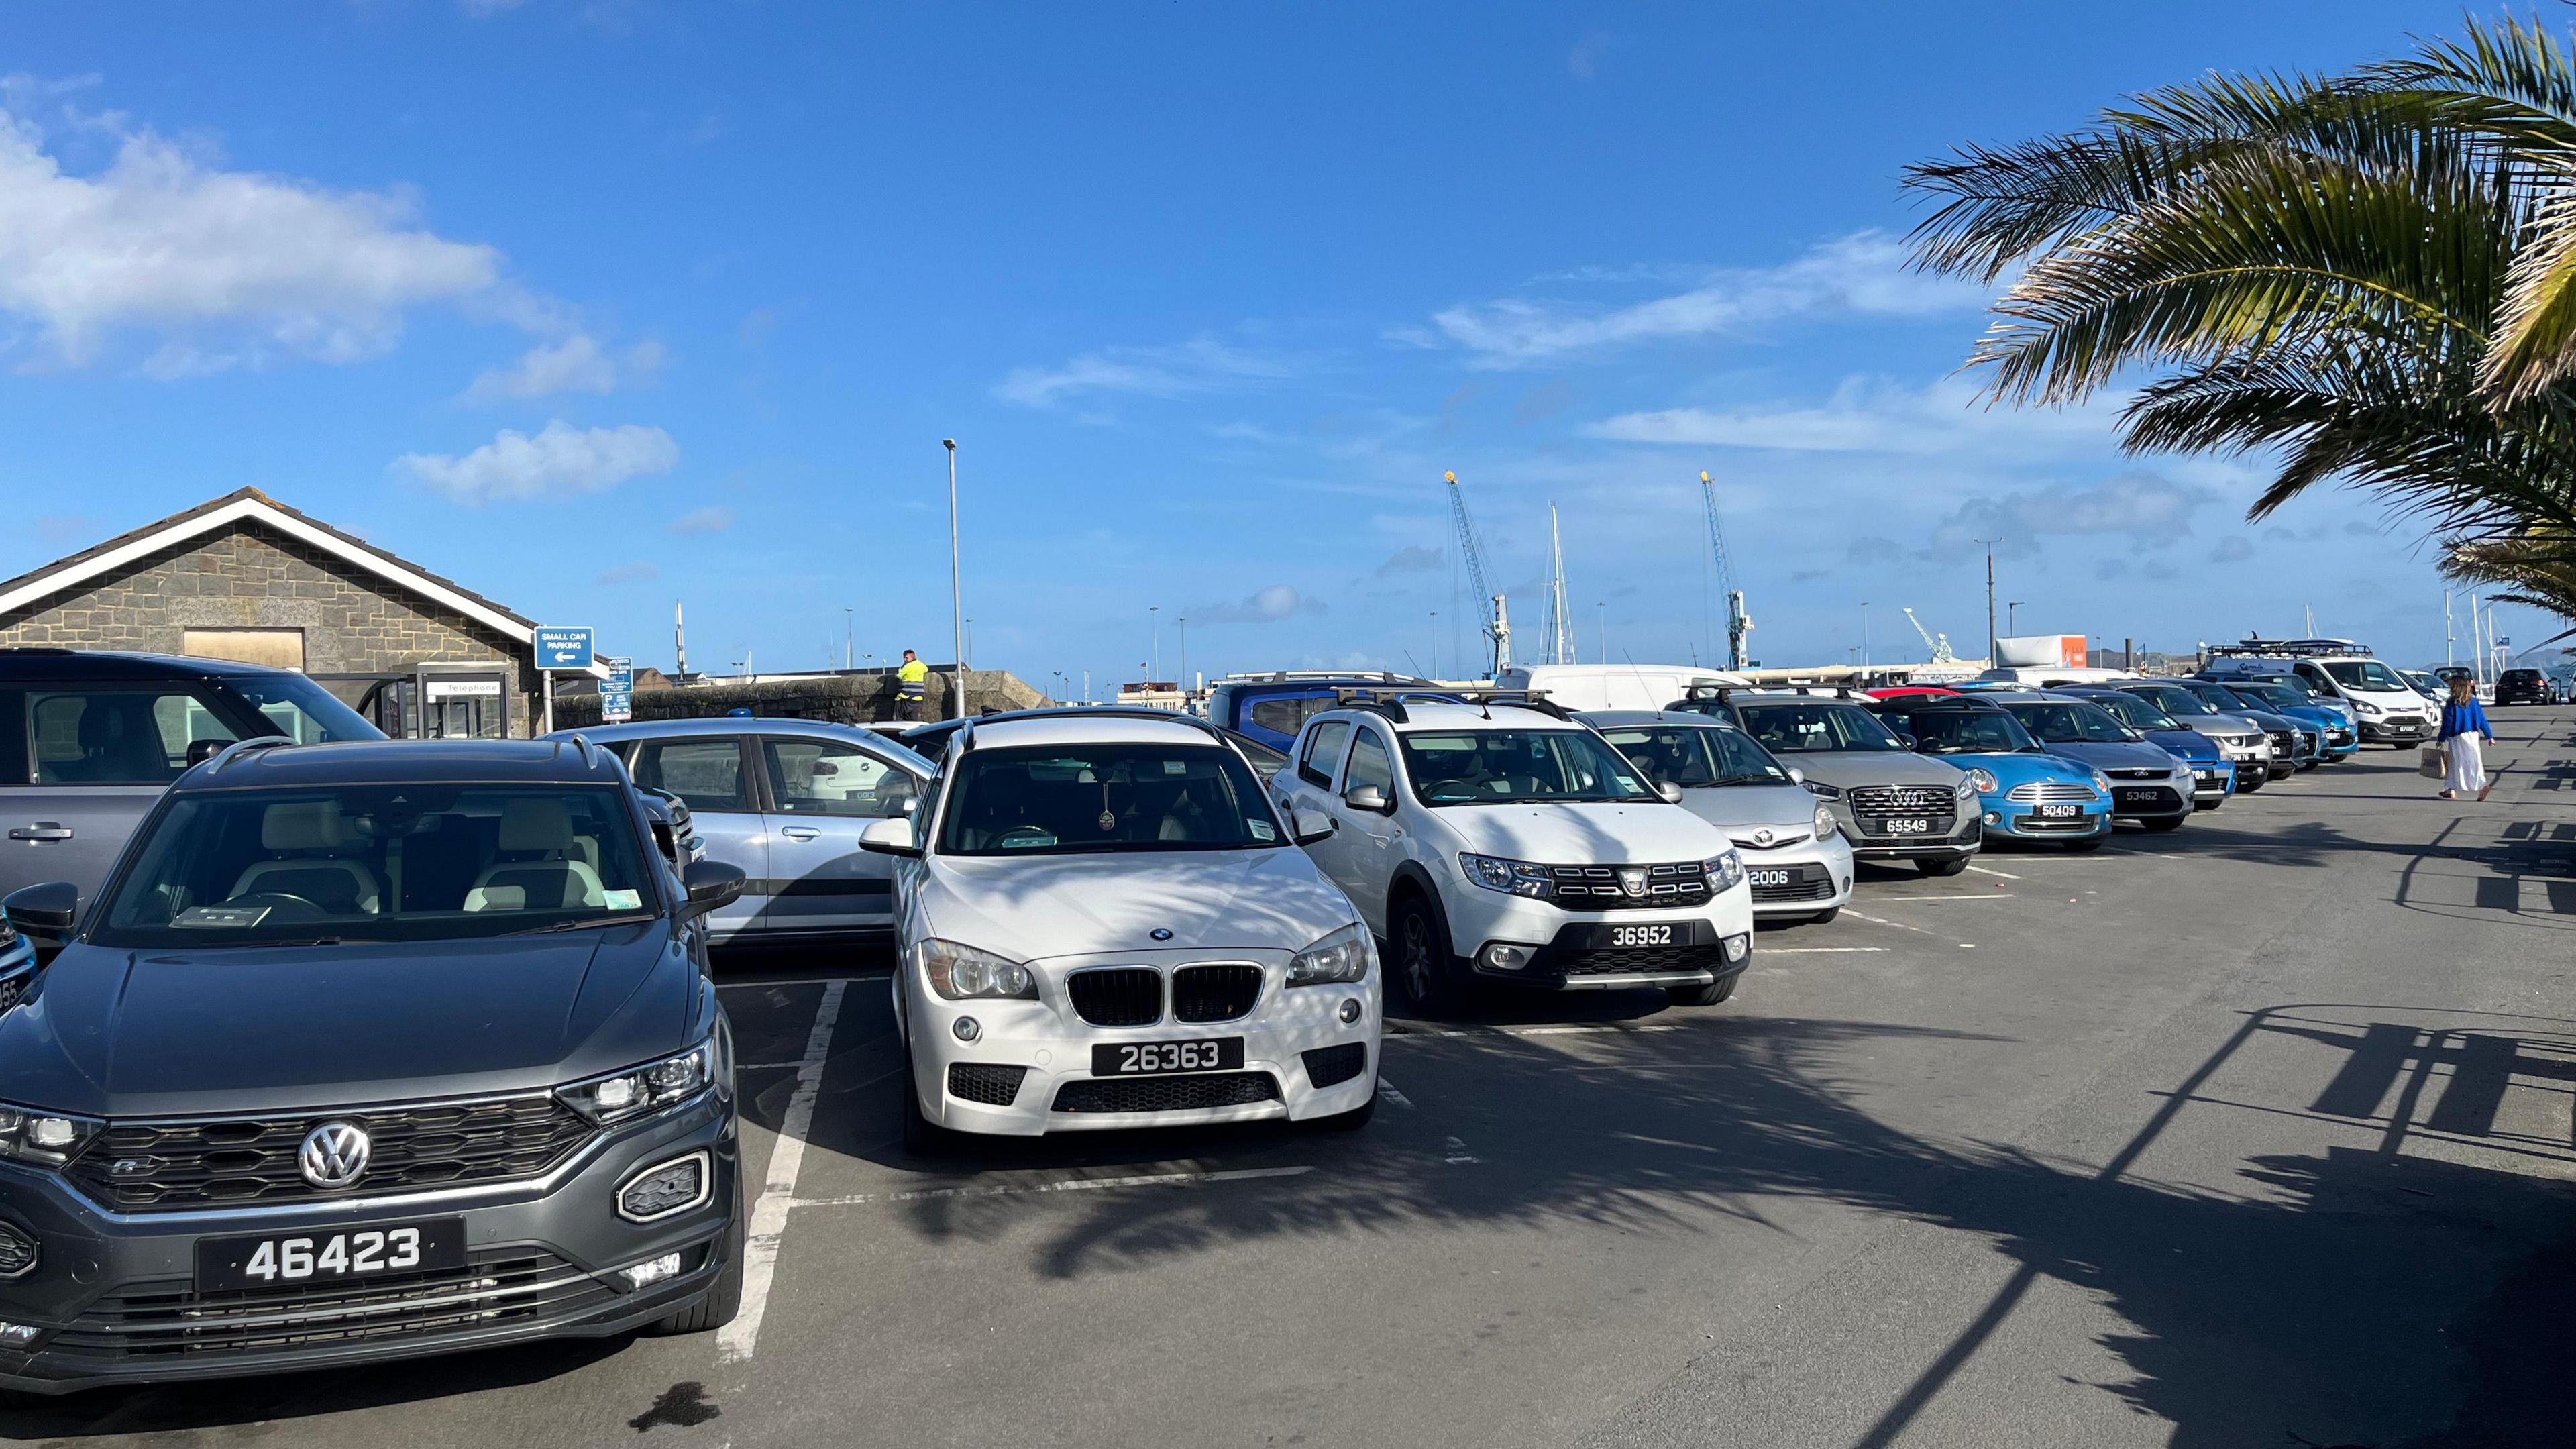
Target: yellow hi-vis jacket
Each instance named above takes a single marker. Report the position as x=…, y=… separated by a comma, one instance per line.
x=912, y=681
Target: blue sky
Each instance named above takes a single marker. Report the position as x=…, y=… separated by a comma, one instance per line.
x=598, y=306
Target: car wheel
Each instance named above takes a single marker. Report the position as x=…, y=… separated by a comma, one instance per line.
x=2173, y=824
x=921, y=1136
x=1952, y=866
x=1821, y=917
x=1350, y=1121
x=723, y=1299
x=1424, y=961
x=1703, y=995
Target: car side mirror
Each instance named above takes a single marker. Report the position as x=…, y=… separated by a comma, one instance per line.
x=1306, y=827
x=891, y=836
x=1797, y=776
x=825, y=767
x=1909, y=741
x=1671, y=793
x=43, y=914
x=200, y=751
x=1369, y=798
x=712, y=885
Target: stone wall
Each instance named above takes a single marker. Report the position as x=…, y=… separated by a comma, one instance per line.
x=857, y=696
x=248, y=578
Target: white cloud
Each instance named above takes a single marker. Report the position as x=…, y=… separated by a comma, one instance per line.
x=1867, y=415
x=1862, y=274
x=702, y=520
x=640, y=571
x=162, y=241
x=576, y=364
x=1202, y=365
x=1265, y=606
x=559, y=461
x=2147, y=509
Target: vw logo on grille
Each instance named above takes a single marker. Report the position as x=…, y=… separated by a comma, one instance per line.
x=334, y=1155
x=1632, y=880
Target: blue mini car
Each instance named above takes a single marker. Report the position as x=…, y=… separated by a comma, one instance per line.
x=2149, y=784
x=2025, y=792
x=2213, y=775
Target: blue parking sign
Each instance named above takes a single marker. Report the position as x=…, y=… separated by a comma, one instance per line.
x=563, y=647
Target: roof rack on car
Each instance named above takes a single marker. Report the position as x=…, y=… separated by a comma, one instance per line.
x=2287, y=648
x=225, y=755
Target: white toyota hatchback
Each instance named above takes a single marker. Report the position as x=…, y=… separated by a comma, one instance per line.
x=1104, y=923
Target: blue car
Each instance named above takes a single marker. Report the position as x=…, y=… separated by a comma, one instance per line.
x=2337, y=732
x=2149, y=784
x=2025, y=792
x=2213, y=775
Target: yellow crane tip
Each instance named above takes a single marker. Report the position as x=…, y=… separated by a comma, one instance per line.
x=1703, y=475
x=1449, y=477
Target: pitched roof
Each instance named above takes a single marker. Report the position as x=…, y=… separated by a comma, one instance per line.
x=250, y=505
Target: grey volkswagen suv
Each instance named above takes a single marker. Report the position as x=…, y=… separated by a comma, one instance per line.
x=366, y=1051
x=1893, y=804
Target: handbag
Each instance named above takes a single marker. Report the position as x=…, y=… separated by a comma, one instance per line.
x=2434, y=762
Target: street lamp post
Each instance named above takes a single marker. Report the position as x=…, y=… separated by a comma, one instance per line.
x=2012, y=615
x=849, y=634
x=1989, y=544
x=956, y=589
x=1154, y=621
x=1864, y=636
x=1181, y=634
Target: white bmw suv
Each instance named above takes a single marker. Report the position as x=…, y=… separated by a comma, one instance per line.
x=1103, y=923
x=1502, y=840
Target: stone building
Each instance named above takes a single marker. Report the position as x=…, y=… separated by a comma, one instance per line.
x=245, y=577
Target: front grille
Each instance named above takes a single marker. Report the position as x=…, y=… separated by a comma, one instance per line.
x=2285, y=742
x=2145, y=774
x=172, y=1319
x=1117, y=996
x=2051, y=792
x=1215, y=993
x=985, y=1082
x=1801, y=890
x=1747, y=842
x=2060, y=825
x=1166, y=1094
x=166, y=1166
x=1333, y=1065
x=1902, y=800
x=1603, y=888
x=1648, y=960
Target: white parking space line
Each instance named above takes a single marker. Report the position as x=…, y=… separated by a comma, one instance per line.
x=1981, y=870
x=1387, y=1090
x=1814, y=950
x=1077, y=1184
x=1997, y=896
x=1883, y=921
x=768, y=1227
x=765, y=1066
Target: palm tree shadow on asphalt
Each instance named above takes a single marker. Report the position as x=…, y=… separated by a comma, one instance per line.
x=2349, y=1298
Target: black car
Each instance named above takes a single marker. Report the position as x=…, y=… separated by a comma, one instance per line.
x=366, y=1051
x=2522, y=686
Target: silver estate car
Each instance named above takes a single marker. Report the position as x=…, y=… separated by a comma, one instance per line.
x=1795, y=856
x=784, y=800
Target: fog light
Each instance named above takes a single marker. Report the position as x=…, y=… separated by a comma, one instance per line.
x=18, y=1335
x=658, y=1192
x=17, y=1252
x=1994, y=817
x=1351, y=1010
x=645, y=1275
x=1737, y=948
x=1502, y=956
x=967, y=1028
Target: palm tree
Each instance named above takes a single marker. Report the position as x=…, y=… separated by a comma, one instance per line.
x=2315, y=268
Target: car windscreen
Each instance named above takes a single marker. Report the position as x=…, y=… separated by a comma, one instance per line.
x=303, y=711
x=2176, y=701
x=1518, y=767
x=1961, y=731
x=2071, y=724
x=2136, y=712
x=1693, y=756
x=403, y=862
x=1102, y=798
x=1806, y=725
x=2270, y=696
x=2365, y=674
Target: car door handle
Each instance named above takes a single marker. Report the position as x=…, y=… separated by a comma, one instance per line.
x=800, y=832
x=41, y=830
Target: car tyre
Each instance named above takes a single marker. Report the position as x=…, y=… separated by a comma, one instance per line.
x=723, y=1298
x=1710, y=995
x=1350, y=1121
x=1425, y=962
x=921, y=1136
x=1823, y=917
x=1952, y=866
x=2174, y=823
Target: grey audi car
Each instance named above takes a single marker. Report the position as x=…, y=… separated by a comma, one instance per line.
x=1893, y=805
x=366, y=1051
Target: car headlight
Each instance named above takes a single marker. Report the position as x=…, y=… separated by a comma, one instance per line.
x=1826, y=825
x=2101, y=782
x=646, y=1088
x=1977, y=782
x=962, y=973
x=2369, y=711
x=32, y=1134
x=1725, y=870
x=1340, y=957
x=1513, y=877
x=1823, y=791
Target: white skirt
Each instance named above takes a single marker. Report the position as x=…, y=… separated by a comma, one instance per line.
x=2468, y=764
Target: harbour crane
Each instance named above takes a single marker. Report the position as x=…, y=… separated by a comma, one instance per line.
x=1498, y=625
x=1940, y=646
x=1738, y=623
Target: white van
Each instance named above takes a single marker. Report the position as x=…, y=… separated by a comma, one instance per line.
x=2388, y=710
x=1582, y=687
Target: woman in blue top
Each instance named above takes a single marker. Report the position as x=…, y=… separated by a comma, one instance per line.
x=2466, y=734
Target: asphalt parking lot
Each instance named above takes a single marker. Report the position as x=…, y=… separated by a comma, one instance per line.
x=2257, y=1133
